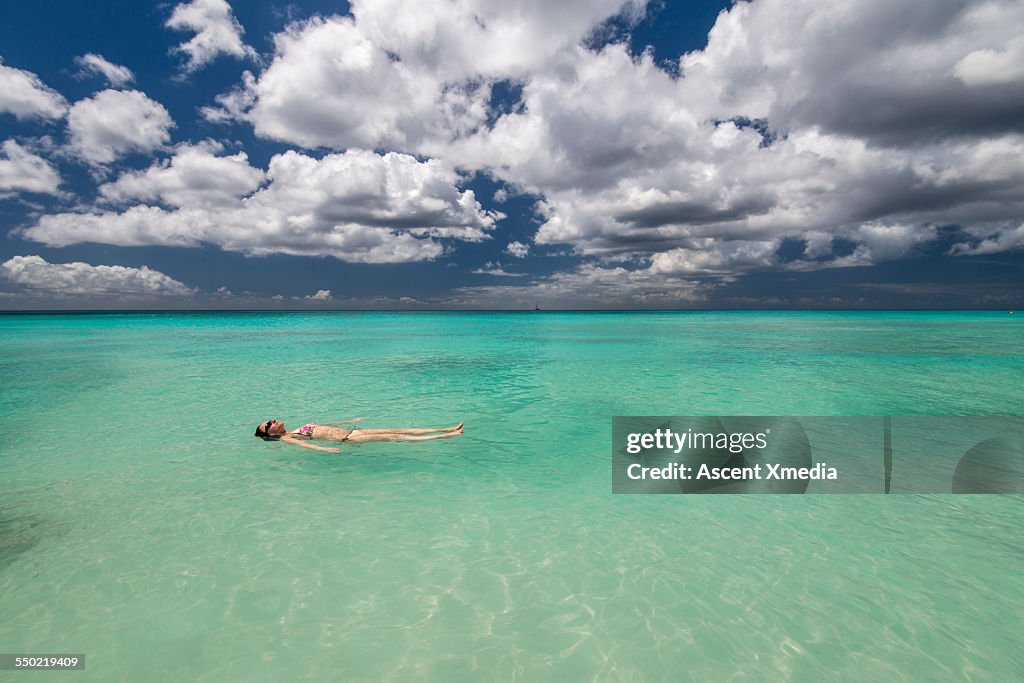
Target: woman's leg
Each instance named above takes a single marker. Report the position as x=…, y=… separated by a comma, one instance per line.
x=361, y=436
x=410, y=431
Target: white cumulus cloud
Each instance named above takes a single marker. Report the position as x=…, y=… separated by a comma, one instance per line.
x=495, y=269
x=194, y=177
x=1009, y=238
x=398, y=73
x=115, y=74
x=330, y=86
x=358, y=206
x=706, y=256
x=113, y=123
x=216, y=29
x=23, y=94
x=77, y=278
x=517, y=249
x=22, y=171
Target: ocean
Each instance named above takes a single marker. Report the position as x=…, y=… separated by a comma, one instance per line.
x=142, y=524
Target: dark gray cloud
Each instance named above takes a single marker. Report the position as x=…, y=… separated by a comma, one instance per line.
x=692, y=213
x=899, y=115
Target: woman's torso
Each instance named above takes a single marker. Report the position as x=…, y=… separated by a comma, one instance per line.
x=315, y=431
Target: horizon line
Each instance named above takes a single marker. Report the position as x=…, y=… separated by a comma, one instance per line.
x=44, y=311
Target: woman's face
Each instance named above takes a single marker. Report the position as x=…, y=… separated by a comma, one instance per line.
x=273, y=427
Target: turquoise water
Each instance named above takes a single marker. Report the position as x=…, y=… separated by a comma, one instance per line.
x=142, y=525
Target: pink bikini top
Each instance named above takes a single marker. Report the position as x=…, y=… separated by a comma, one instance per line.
x=305, y=430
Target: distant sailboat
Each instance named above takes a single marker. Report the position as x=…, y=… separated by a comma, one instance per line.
x=536, y=307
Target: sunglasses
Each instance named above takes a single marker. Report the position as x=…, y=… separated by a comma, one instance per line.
x=266, y=426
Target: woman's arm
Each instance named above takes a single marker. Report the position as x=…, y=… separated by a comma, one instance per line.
x=306, y=444
x=343, y=422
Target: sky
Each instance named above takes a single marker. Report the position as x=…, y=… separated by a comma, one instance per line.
x=507, y=154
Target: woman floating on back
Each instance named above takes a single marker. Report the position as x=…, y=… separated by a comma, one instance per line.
x=274, y=430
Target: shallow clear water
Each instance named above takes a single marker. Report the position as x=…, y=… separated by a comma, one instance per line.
x=143, y=525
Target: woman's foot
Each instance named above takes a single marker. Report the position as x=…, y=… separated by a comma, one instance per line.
x=456, y=428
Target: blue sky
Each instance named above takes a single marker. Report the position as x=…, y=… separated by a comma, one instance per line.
x=480, y=154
